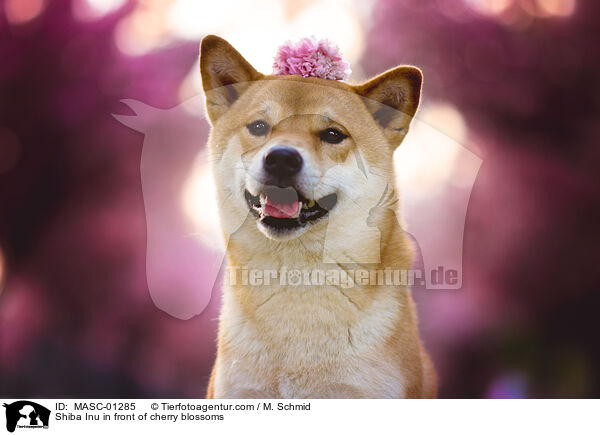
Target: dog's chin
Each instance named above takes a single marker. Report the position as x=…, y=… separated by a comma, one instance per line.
x=284, y=213
x=278, y=234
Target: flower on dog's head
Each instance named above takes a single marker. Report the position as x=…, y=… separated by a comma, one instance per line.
x=311, y=58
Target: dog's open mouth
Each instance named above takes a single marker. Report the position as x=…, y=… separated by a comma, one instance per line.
x=286, y=208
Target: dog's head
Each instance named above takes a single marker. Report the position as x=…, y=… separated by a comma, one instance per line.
x=294, y=150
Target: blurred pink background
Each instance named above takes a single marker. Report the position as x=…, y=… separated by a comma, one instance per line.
x=514, y=80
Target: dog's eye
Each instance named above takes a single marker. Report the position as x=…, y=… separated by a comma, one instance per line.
x=258, y=128
x=332, y=135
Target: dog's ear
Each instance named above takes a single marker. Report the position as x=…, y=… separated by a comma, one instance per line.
x=393, y=98
x=225, y=75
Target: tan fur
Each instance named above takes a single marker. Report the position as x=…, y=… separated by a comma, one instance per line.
x=278, y=341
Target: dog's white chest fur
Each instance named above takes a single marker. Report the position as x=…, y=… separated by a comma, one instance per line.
x=301, y=336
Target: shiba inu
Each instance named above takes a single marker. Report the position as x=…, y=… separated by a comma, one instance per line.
x=291, y=156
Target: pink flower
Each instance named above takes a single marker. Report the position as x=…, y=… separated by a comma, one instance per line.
x=311, y=58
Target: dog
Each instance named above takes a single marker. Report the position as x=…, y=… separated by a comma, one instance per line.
x=291, y=155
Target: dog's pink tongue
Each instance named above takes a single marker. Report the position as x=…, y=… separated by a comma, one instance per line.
x=282, y=210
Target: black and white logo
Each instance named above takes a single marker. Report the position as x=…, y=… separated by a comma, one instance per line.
x=25, y=414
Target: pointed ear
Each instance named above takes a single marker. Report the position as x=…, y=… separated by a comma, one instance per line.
x=393, y=98
x=225, y=75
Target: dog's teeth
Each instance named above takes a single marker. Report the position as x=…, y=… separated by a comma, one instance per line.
x=304, y=205
x=311, y=203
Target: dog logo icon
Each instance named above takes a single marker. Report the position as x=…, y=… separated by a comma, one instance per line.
x=26, y=414
x=435, y=177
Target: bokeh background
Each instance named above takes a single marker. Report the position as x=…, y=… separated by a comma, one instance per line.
x=516, y=81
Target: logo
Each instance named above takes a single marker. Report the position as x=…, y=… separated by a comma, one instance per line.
x=435, y=176
x=26, y=414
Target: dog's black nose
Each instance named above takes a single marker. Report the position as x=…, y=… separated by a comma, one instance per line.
x=283, y=162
